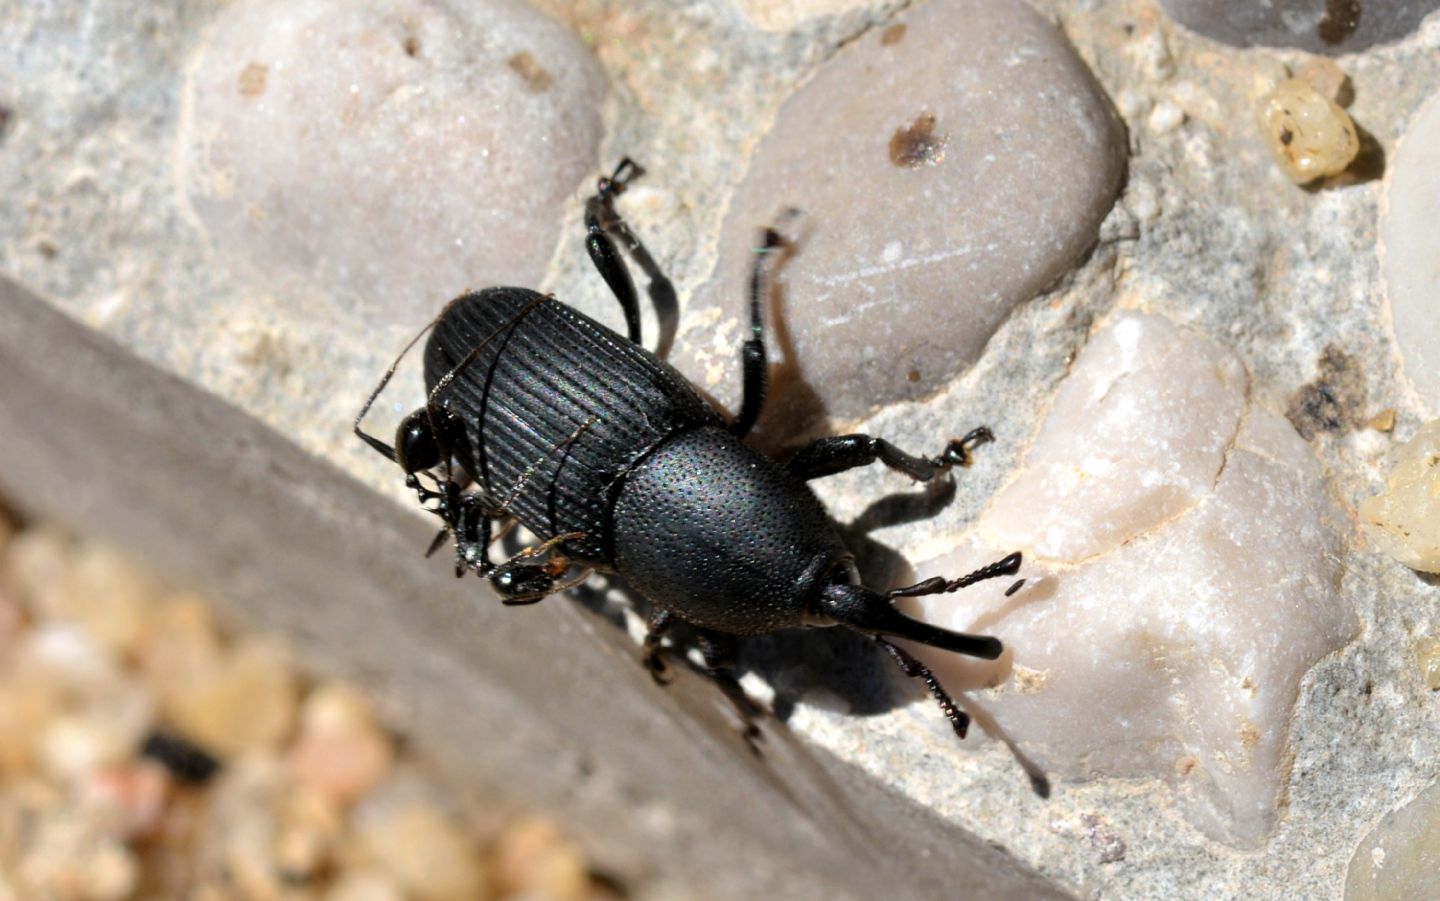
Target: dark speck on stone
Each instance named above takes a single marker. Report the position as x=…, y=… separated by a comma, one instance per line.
x=253, y=79
x=528, y=68
x=917, y=144
x=185, y=761
x=1341, y=19
x=1333, y=401
x=893, y=34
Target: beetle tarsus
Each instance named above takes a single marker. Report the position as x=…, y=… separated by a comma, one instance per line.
x=1007, y=566
x=829, y=456
x=959, y=719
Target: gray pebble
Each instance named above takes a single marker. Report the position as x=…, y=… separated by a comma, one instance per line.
x=400, y=151
x=949, y=165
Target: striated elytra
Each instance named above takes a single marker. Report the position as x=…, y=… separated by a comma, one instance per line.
x=538, y=414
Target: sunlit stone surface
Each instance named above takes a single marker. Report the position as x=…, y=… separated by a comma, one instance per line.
x=1180, y=547
x=1411, y=250
x=399, y=150
x=949, y=166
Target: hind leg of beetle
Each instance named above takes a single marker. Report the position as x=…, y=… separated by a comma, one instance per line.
x=653, y=654
x=753, y=359
x=959, y=719
x=603, y=226
x=718, y=650
x=828, y=456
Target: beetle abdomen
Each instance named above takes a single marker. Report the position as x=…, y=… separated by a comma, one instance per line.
x=718, y=532
x=557, y=408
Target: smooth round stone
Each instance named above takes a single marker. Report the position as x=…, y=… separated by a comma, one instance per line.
x=400, y=151
x=949, y=166
x=1320, y=26
x=1410, y=247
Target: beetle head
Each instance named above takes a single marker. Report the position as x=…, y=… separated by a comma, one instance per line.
x=425, y=437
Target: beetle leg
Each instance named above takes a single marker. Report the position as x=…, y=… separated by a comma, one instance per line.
x=828, y=456
x=754, y=364
x=519, y=581
x=959, y=719
x=653, y=654
x=381, y=447
x=718, y=651
x=601, y=223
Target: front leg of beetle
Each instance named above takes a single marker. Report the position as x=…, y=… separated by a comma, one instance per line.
x=534, y=573
x=828, y=456
x=959, y=719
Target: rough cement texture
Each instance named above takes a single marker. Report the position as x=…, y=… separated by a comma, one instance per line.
x=1208, y=232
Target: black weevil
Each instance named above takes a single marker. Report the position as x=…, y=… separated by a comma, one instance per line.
x=611, y=457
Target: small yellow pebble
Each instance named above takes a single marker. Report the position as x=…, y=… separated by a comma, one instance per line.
x=1404, y=522
x=342, y=752
x=1384, y=421
x=247, y=704
x=532, y=859
x=1309, y=135
x=429, y=855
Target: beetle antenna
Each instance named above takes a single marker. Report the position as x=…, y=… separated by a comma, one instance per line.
x=380, y=446
x=871, y=613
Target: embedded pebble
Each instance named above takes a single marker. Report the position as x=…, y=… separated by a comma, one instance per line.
x=424, y=851
x=341, y=752
x=532, y=859
x=945, y=173
x=1404, y=522
x=1309, y=135
x=1410, y=246
x=1165, y=621
x=180, y=647
x=1319, y=26
x=1400, y=857
x=401, y=151
x=246, y=704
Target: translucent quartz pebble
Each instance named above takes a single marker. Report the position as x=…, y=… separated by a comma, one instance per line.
x=1182, y=577
x=1309, y=135
x=947, y=169
x=1320, y=26
x=1401, y=856
x=1410, y=247
x=1127, y=477
x=401, y=151
x=1404, y=522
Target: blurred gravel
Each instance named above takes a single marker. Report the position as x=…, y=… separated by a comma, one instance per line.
x=146, y=753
